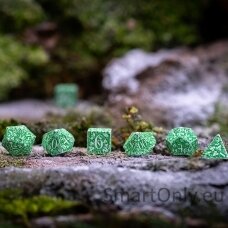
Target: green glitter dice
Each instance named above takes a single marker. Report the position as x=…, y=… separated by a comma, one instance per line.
x=182, y=141
x=58, y=141
x=140, y=143
x=66, y=95
x=18, y=140
x=99, y=140
x=216, y=149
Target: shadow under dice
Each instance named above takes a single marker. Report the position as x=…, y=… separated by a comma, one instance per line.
x=99, y=140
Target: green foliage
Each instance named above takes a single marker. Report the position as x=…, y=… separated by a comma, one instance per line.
x=134, y=122
x=14, y=204
x=14, y=57
x=18, y=14
x=91, y=32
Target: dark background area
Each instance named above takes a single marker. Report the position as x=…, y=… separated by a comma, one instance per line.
x=46, y=42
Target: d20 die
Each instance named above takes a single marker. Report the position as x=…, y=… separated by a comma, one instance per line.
x=140, y=143
x=99, y=140
x=66, y=95
x=58, y=141
x=216, y=149
x=182, y=141
x=18, y=140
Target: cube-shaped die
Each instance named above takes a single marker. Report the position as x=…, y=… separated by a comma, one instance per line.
x=99, y=140
x=66, y=95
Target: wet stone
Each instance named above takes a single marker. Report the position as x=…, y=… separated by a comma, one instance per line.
x=140, y=143
x=18, y=140
x=99, y=140
x=58, y=141
x=66, y=95
x=216, y=149
x=182, y=141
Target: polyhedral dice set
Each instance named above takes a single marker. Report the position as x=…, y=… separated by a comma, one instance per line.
x=19, y=140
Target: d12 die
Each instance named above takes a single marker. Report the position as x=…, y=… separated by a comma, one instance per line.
x=182, y=141
x=66, y=95
x=58, y=141
x=99, y=140
x=18, y=140
x=140, y=143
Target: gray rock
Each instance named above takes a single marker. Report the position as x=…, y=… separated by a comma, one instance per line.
x=166, y=183
x=177, y=86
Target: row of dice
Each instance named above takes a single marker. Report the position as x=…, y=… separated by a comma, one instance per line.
x=19, y=140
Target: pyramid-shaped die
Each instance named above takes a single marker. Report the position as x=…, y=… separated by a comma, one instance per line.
x=140, y=143
x=18, y=140
x=216, y=149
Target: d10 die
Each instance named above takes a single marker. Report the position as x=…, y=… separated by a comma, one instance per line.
x=58, y=141
x=66, y=95
x=18, y=140
x=182, y=141
x=99, y=140
x=216, y=149
x=140, y=143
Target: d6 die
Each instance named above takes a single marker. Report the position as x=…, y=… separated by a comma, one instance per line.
x=66, y=95
x=99, y=140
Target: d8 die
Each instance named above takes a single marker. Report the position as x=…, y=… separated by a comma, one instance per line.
x=66, y=95
x=182, y=141
x=18, y=140
x=58, y=141
x=140, y=143
x=99, y=140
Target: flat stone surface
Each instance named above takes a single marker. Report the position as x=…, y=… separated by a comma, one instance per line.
x=35, y=110
x=124, y=183
x=152, y=184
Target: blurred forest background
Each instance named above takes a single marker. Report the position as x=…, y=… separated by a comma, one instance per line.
x=45, y=42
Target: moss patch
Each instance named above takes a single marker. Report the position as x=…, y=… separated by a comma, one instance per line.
x=221, y=117
x=9, y=161
x=15, y=205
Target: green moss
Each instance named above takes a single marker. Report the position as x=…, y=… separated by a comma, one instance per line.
x=15, y=205
x=9, y=161
x=91, y=34
x=75, y=122
x=6, y=123
x=15, y=57
x=133, y=122
x=220, y=117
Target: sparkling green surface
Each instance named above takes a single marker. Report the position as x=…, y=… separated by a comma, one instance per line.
x=99, y=140
x=182, y=141
x=140, y=143
x=66, y=95
x=18, y=140
x=58, y=141
x=216, y=149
